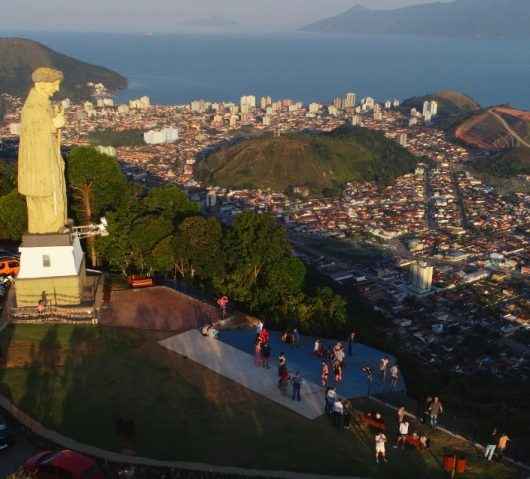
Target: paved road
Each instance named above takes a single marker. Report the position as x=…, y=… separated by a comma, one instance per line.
x=509, y=129
x=11, y=459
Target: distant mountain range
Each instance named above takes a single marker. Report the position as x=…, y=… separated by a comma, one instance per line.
x=20, y=57
x=319, y=162
x=460, y=18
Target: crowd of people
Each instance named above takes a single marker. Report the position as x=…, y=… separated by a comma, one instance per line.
x=332, y=359
x=332, y=363
x=406, y=438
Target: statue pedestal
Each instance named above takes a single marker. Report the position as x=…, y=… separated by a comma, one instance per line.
x=51, y=266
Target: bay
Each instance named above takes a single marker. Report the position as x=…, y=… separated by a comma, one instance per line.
x=177, y=68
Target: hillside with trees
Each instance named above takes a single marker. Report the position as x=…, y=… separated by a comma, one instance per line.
x=453, y=107
x=20, y=57
x=161, y=232
x=321, y=162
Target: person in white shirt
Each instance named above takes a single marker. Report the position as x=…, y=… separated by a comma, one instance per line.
x=331, y=396
x=259, y=327
x=338, y=412
x=380, y=449
x=403, y=433
x=383, y=367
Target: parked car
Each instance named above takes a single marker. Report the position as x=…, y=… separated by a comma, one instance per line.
x=64, y=464
x=6, y=436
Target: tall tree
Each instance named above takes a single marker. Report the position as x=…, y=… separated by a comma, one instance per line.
x=7, y=177
x=13, y=216
x=198, y=248
x=253, y=246
x=96, y=182
x=142, y=230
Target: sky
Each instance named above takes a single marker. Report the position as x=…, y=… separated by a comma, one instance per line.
x=174, y=15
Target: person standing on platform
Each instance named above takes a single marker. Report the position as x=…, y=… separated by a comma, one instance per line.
x=338, y=413
x=331, y=397
x=324, y=374
x=351, y=340
x=383, y=368
x=297, y=386
x=394, y=376
x=265, y=355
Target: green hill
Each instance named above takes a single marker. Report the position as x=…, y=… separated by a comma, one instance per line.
x=20, y=57
x=505, y=170
x=453, y=106
x=507, y=164
x=321, y=162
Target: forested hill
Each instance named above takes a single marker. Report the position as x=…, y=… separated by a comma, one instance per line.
x=322, y=162
x=20, y=57
x=459, y=18
x=453, y=106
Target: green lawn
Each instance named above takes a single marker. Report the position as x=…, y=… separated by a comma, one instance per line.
x=80, y=381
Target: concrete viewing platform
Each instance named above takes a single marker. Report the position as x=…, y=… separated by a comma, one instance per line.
x=238, y=366
x=301, y=358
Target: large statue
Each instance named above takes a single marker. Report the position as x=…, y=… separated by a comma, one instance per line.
x=40, y=165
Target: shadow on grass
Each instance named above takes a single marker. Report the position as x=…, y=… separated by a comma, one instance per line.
x=118, y=390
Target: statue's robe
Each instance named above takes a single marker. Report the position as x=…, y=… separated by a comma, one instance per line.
x=41, y=167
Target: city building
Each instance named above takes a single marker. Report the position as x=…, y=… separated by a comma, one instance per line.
x=314, y=107
x=350, y=100
x=161, y=137
x=421, y=277
x=247, y=102
x=337, y=103
x=265, y=101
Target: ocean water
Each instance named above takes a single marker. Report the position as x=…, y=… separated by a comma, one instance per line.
x=174, y=69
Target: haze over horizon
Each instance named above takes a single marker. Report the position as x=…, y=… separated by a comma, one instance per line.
x=163, y=16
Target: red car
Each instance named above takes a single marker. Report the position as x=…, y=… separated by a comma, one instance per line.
x=62, y=465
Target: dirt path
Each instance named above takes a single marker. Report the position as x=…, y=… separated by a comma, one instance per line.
x=509, y=129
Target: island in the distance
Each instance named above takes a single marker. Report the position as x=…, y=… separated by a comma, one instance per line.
x=459, y=18
x=20, y=57
x=307, y=161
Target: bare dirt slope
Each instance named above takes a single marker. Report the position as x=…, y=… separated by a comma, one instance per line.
x=495, y=129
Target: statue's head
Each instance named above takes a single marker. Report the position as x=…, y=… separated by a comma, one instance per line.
x=47, y=80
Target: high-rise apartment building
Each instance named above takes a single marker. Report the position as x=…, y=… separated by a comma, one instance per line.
x=421, y=277
x=265, y=101
x=350, y=100
x=248, y=101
